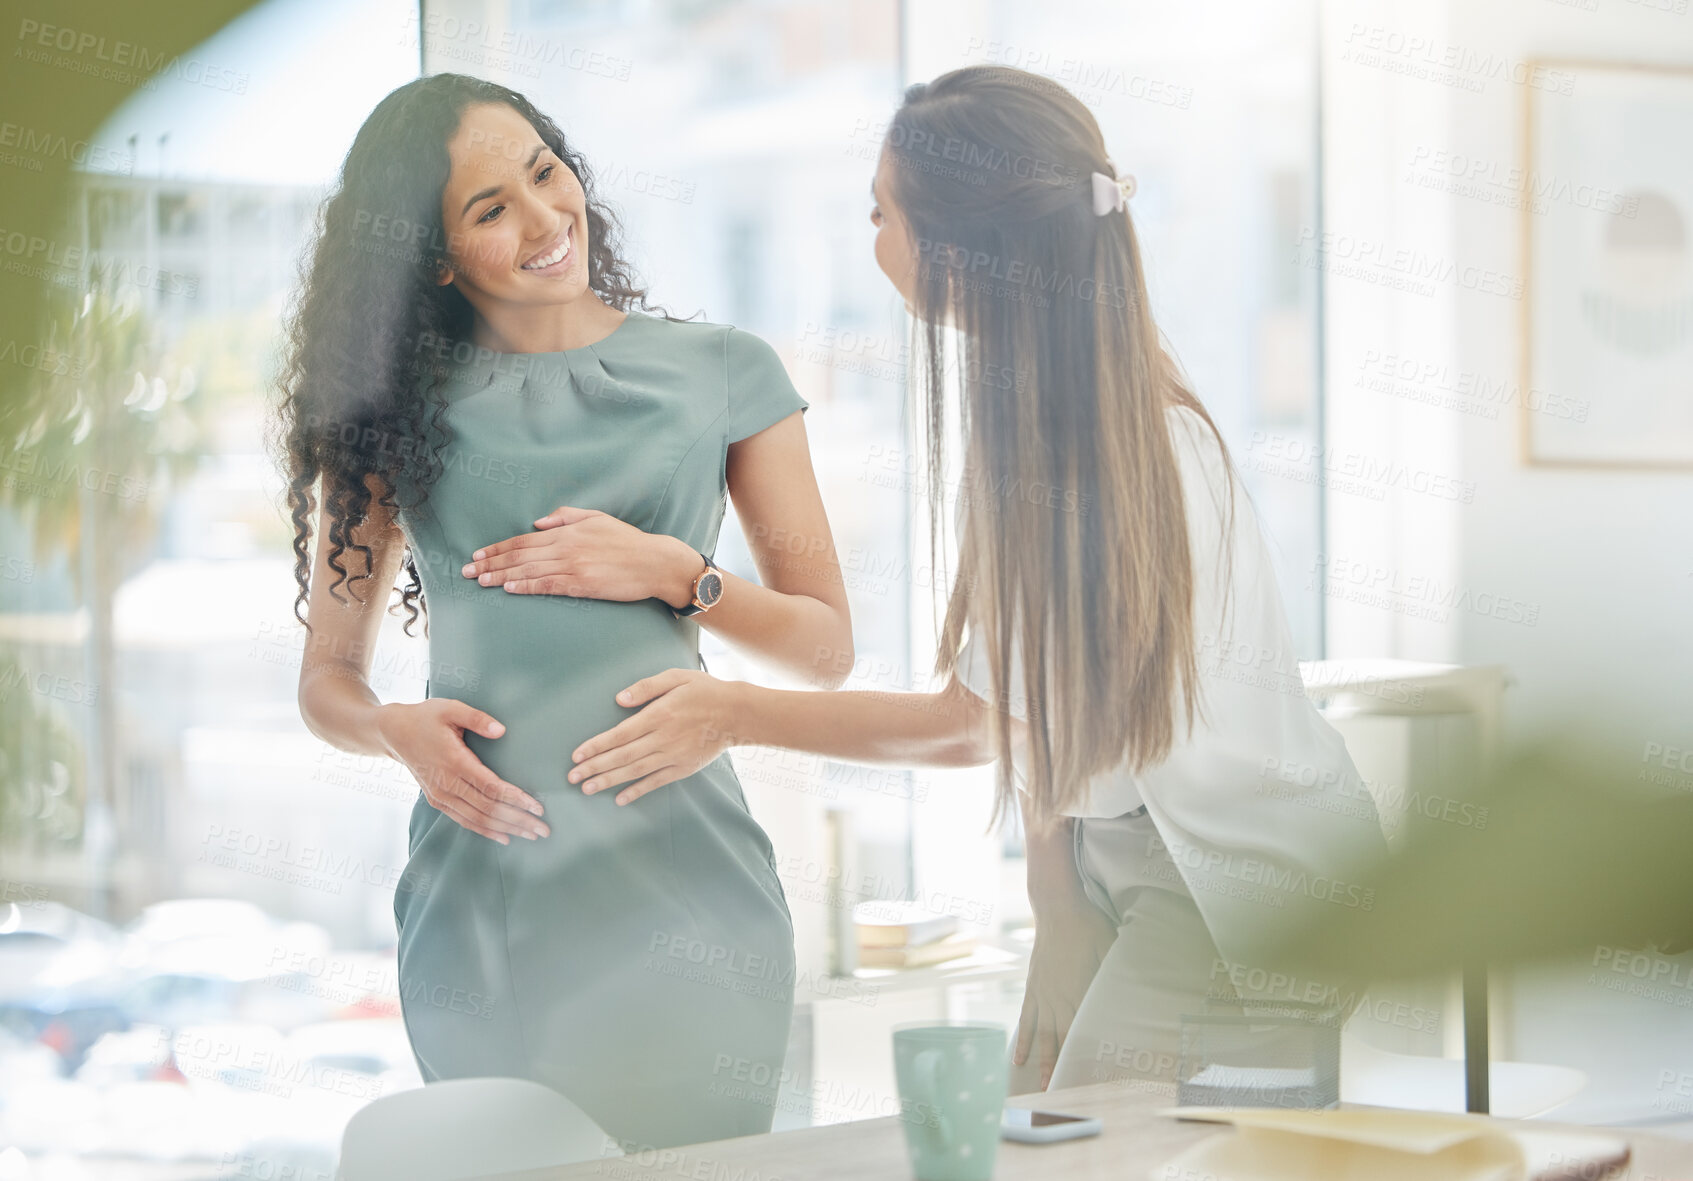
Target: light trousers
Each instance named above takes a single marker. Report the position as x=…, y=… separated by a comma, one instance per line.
x=1162, y=965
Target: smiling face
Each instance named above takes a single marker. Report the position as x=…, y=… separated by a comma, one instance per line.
x=896, y=253
x=515, y=215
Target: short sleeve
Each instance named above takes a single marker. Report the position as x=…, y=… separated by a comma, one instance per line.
x=759, y=390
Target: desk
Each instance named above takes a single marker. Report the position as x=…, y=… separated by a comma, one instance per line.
x=1135, y=1141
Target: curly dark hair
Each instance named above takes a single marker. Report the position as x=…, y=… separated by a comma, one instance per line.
x=363, y=359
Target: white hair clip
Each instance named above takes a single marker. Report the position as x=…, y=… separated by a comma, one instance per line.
x=1111, y=195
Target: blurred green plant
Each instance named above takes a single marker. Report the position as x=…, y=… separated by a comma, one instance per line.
x=1575, y=855
x=92, y=439
x=42, y=773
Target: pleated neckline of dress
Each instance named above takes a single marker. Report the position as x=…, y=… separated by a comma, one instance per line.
x=547, y=396
x=553, y=372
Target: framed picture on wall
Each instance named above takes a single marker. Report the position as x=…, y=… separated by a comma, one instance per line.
x=1607, y=240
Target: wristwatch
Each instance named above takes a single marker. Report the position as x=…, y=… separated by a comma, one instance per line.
x=708, y=588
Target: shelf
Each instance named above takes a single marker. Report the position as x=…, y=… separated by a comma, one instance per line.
x=989, y=962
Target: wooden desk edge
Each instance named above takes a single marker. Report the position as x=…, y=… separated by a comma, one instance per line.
x=1136, y=1140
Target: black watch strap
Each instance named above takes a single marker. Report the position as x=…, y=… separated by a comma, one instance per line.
x=693, y=608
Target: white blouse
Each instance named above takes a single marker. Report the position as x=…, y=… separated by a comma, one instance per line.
x=1261, y=799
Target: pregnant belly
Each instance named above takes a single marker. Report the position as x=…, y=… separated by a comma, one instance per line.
x=548, y=667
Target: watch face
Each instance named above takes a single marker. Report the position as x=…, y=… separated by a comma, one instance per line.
x=710, y=587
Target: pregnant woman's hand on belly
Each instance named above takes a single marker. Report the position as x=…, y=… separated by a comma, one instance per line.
x=684, y=728
x=428, y=738
x=585, y=554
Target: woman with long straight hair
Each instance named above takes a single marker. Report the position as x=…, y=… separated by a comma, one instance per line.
x=475, y=383
x=1104, y=535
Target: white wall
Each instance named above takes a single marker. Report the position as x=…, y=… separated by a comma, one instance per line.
x=1601, y=560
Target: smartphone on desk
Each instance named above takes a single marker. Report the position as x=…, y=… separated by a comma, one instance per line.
x=1043, y=1127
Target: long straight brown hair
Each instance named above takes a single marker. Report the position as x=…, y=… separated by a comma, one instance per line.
x=1074, y=535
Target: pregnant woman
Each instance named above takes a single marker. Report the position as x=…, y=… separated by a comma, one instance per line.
x=1103, y=531
x=472, y=382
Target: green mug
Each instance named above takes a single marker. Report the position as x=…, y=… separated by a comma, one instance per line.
x=951, y=1078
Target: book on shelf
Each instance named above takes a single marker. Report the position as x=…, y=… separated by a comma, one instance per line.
x=894, y=923
x=952, y=947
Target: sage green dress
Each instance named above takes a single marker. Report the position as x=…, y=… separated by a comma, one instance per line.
x=638, y=959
